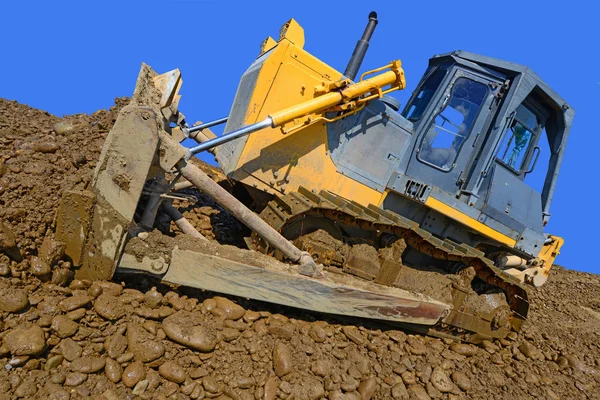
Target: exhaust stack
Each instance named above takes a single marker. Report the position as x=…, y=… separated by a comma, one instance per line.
x=361, y=47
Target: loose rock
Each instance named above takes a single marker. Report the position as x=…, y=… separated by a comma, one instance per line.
x=88, y=365
x=143, y=344
x=70, y=349
x=461, y=380
x=63, y=326
x=173, y=372
x=25, y=339
x=74, y=302
x=282, y=359
x=440, y=380
x=113, y=370
x=108, y=306
x=134, y=373
x=13, y=300
x=190, y=330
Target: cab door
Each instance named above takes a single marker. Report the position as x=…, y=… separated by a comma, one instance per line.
x=444, y=143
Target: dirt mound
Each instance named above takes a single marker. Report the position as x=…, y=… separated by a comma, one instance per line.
x=65, y=339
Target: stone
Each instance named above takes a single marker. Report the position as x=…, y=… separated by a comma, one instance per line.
x=397, y=336
x=321, y=367
x=232, y=311
x=63, y=128
x=76, y=315
x=74, y=302
x=61, y=276
x=25, y=340
x=530, y=351
x=64, y=327
x=143, y=344
x=153, y=298
x=190, y=330
x=461, y=380
x=26, y=389
x=282, y=359
x=13, y=300
x=95, y=290
x=199, y=372
x=75, y=378
x=416, y=345
x=88, y=365
x=113, y=370
x=70, y=349
x=399, y=391
x=51, y=250
x=317, y=334
x=418, y=393
x=210, y=384
x=8, y=241
x=354, y=335
x=307, y=388
x=467, y=350
x=440, y=380
x=108, y=306
x=271, y=386
x=53, y=362
x=141, y=387
x=39, y=267
x=282, y=331
x=115, y=345
x=111, y=288
x=133, y=373
x=367, y=388
x=173, y=372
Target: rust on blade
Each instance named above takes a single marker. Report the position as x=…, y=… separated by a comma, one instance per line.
x=213, y=273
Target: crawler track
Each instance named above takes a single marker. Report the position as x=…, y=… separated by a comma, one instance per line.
x=282, y=211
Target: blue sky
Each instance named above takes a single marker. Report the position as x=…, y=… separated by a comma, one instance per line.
x=70, y=57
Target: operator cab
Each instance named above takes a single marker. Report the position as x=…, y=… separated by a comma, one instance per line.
x=491, y=134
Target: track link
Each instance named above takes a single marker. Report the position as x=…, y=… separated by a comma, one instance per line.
x=460, y=322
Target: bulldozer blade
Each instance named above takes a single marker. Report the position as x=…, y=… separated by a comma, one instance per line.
x=210, y=272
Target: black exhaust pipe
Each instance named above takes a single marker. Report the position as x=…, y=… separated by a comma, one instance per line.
x=361, y=47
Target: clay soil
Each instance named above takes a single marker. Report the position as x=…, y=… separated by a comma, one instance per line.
x=137, y=338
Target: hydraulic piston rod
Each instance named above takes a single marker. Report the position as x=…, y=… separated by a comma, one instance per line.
x=206, y=125
x=357, y=93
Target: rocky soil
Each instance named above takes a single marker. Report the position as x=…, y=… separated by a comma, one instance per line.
x=137, y=338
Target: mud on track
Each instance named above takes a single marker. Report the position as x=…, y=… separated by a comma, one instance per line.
x=135, y=338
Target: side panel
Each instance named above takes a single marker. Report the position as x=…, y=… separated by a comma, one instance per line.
x=229, y=153
x=276, y=162
x=515, y=204
x=368, y=146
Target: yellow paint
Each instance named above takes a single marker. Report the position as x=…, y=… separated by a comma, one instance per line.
x=550, y=251
x=267, y=45
x=456, y=215
x=277, y=162
x=293, y=32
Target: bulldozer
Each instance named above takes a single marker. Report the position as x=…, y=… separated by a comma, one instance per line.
x=420, y=217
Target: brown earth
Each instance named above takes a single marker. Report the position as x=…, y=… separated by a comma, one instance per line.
x=68, y=339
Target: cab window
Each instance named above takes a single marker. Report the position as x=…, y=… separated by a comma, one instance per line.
x=451, y=126
x=517, y=139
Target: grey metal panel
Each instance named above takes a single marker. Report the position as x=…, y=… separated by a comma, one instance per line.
x=512, y=202
x=368, y=145
x=229, y=153
x=530, y=242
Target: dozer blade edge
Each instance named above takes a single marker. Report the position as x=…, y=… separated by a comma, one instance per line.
x=274, y=285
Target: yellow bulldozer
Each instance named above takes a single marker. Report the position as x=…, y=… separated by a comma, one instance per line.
x=419, y=217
